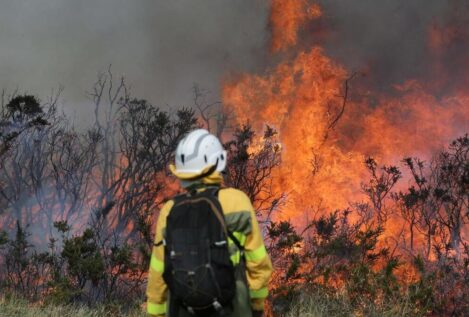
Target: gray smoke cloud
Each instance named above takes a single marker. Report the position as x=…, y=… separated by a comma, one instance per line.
x=390, y=38
x=161, y=47
x=164, y=47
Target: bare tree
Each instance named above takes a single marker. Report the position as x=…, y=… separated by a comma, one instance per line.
x=379, y=187
x=211, y=113
x=107, y=98
x=418, y=206
x=437, y=203
x=451, y=169
x=148, y=139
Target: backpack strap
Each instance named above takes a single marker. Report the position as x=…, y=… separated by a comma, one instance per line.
x=212, y=192
x=176, y=200
x=235, y=241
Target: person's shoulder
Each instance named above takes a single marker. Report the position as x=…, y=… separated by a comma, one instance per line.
x=230, y=191
x=234, y=199
x=167, y=205
x=170, y=201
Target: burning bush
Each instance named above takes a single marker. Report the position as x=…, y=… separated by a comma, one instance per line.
x=78, y=211
x=349, y=254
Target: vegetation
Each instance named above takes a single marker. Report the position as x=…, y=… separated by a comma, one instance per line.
x=77, y=210
x=13, y=307
x=335, y=259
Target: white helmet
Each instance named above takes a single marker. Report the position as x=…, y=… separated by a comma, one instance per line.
x=198, y=153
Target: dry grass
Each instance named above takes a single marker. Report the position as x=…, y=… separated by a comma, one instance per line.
x=323, y=305
x=308, y=306
x=20, y=308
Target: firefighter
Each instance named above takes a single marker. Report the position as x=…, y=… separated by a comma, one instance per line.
x=200, y=159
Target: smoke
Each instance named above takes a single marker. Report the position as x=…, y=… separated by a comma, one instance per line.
x=395, y=40
x=162, y=47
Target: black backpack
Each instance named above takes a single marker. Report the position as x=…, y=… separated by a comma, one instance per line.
x=198, y=269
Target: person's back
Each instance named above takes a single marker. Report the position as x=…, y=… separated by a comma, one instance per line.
x=199, y=161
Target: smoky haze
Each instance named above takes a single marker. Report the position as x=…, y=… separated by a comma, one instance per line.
x=161, y=47
x=391, y=39
x=164, y=47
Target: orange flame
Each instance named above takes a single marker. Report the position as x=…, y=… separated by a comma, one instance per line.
x=322, y=163
x=286, y=18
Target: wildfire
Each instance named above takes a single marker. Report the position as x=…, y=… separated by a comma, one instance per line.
x=326, y=134
x=329, y=122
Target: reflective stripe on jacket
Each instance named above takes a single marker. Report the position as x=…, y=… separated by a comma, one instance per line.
x=241, y=220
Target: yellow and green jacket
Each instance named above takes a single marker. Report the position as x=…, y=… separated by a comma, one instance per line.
x=241, y=220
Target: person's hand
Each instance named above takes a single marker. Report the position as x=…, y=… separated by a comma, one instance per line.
x=257, y=313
